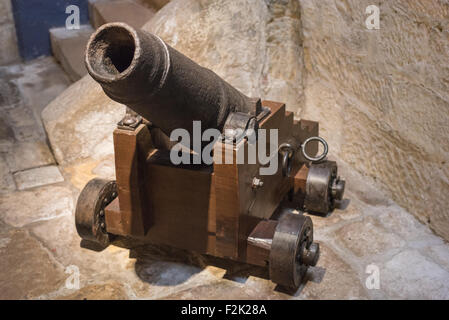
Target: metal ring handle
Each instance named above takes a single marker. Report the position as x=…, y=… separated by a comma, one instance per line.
x=286, y=150
x=286, y=165
x=319, y=158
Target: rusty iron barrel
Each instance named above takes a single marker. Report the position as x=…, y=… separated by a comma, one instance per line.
x=139, y=70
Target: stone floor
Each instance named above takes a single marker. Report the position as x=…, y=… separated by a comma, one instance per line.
x=41, y=258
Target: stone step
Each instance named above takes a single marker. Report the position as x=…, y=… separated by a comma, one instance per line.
x=153, y=4
x=128, y=11
x=68, y=48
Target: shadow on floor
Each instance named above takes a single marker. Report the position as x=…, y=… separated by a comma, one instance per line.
x=163, y=265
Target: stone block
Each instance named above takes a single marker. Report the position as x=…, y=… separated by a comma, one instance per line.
x=27, y=155
x=80, y=122
x=153, y=4
x=9, y=91
x=130, y=12
x=381, y=96
x=439, y=253
x=41, y=81
x=37, y=177
x=367, y=237
x=68, y=47
x=62, y=239
x=10, y=52
x=28, y=270
x=410, y=275
x=20, y=116
x=24, y=207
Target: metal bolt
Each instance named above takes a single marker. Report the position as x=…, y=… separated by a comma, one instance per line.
x=257, y=183
x=101, y=213
x=103, y=226
x=129, y=120
x=310, y=255
x=338, y=188
x=230, y=134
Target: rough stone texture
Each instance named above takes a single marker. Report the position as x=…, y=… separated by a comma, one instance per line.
x=6, y=135
x=367, y=237
x=68, y=47
x=80, y=173
x=10, y=51
x=105, y=291
x=37, y=177
x=439, y=254
x=105, y=169
x=21, y=208
x=26, y=155
x=80, y=122
x=6, y=180
x=25, y=89
x=60, y=236
x=336, y=273
x=9, y=91
x=130, y=12
x=27, y=269
x=399, y=222
x=41, y=82
x=153, y=4
x=381, y=96
x=411, y=275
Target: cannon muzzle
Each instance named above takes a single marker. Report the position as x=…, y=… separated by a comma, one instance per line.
x=162, y=85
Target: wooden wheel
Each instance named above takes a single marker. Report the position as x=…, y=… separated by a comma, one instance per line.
x=89, y=214
x=292, y=250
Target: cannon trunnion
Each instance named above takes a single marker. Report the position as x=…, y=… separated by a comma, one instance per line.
x=225, y=209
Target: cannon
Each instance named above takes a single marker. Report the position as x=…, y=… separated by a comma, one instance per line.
x=222, y=207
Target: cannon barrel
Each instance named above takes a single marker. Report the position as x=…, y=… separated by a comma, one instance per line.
x=139, y=70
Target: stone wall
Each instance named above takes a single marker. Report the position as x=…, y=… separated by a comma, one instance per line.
x=382, y=96
x=9, y=52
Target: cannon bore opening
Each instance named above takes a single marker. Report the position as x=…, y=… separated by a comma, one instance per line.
x=111, y=51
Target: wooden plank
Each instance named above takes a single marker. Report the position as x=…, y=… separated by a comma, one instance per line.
x=239, y=206
x=300, y=179
x=266, y=199
x=227, y=202
x=113, y=218
x=259, y=243
x=130, y=149
x=179, y=199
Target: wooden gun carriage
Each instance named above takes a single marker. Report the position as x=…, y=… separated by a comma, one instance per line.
x=225, y=209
